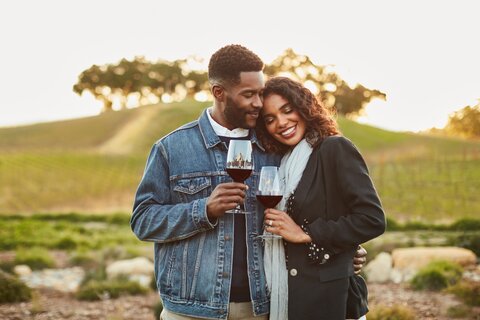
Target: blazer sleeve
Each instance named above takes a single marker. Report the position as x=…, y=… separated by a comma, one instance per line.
x=347, y=180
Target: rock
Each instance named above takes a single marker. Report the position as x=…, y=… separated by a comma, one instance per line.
x=65, y=280
x=22, y=270
x=472, y=274
x=408, y=261
x=131, y=267
x=143, y=280
x=396, y=276
x=380, y=268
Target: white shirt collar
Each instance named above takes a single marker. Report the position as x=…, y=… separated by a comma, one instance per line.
x=221, y=131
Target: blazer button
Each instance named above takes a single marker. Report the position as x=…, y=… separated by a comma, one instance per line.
x=293, y=272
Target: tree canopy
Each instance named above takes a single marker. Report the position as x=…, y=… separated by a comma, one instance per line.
x=465, y=122
x=149, y=82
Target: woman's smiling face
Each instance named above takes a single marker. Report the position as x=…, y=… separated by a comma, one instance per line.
x=282, y=121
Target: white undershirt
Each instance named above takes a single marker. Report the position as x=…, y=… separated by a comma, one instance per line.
x=221, y=131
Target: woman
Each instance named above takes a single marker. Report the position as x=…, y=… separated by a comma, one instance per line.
x=330, y=205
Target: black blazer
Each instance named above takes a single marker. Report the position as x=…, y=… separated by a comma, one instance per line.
x=337, y=197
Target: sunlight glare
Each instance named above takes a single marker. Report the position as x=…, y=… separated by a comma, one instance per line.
x=311, y=86
x=201, y=96
x=167, y=98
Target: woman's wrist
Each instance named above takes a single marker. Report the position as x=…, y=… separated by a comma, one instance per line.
x=305, y=238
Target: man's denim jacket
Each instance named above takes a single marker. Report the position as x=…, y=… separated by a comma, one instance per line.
x=194, y=256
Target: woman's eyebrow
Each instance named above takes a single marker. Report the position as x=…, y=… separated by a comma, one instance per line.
x=282, y=107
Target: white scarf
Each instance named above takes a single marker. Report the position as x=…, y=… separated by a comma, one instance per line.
x=291, y=169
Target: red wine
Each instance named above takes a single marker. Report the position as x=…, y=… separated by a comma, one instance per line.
x=239, y=175
x=269, y=201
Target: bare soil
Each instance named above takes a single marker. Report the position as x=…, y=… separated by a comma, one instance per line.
x=426, y=305
x=53, y=305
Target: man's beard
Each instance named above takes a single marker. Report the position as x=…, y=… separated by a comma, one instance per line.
x=234, y=115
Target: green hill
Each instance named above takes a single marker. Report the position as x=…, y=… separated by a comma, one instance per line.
x=94, y=164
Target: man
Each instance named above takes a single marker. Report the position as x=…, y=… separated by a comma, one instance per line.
x=208, y=264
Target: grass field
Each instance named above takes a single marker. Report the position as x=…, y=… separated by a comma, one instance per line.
x=94, y=165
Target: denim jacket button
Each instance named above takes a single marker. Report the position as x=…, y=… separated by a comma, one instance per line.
x=227, y=238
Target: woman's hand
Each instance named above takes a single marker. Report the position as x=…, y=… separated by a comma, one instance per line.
x=280, y=223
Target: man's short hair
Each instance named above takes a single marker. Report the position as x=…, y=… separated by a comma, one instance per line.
x=226, y=64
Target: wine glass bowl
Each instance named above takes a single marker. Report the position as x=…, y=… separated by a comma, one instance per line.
x=269, y=193
x=239, y=164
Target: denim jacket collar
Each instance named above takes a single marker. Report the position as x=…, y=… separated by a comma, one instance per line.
x=211, y=139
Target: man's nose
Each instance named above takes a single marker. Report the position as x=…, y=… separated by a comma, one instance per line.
x=257, y=101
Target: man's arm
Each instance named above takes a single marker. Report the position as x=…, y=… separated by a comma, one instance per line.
x=155, y=217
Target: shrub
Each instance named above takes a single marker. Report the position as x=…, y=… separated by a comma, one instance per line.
x=118, y=218
x=12, y=289
x=459, y=311
x=469, y=241
x=466, y=224
x=84, y=259
x=114, y=253
x=437, y=275
x=65, y=243
x=395, y=312
x=157, y=310
x=35, y=258
x=97, y=290
x=97, y=274
x=393, y=225
x=7, y=266
x=468, y=292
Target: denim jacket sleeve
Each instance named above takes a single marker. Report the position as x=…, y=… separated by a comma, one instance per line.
x=155, y=217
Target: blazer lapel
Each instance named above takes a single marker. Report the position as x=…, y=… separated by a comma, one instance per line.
x=305, y=183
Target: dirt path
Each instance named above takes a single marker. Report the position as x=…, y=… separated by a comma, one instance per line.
x=426, y=305
x=55, y=305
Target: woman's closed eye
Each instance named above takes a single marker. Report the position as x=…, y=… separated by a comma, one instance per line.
x=268, y=120
x=287, y=110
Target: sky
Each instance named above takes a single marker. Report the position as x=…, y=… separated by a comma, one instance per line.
x=425, y=55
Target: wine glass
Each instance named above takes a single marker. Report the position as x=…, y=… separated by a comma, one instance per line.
x=239, y=164
x=269, y=193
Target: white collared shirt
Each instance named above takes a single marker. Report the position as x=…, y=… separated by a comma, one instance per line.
x=221, y=131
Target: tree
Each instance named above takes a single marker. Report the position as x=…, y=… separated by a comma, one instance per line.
x=97, y=81
x=126, y=78
x=118, y=80
x=165, y=77
x=333, y=90
x=465, y=122
x=177, y=80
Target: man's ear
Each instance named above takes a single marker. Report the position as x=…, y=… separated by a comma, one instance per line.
x=218, y=92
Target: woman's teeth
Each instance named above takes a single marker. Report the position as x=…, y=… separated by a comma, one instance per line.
x=288, y=131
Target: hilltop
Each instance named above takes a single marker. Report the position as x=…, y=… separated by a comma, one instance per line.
x=94, y=164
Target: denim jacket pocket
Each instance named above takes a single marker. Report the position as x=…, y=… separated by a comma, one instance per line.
x=192, y=188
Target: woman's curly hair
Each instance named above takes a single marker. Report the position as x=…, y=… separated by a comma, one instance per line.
x=319, y=121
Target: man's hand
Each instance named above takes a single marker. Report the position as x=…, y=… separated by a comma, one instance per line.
x=225, y=197
x=360, y=259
